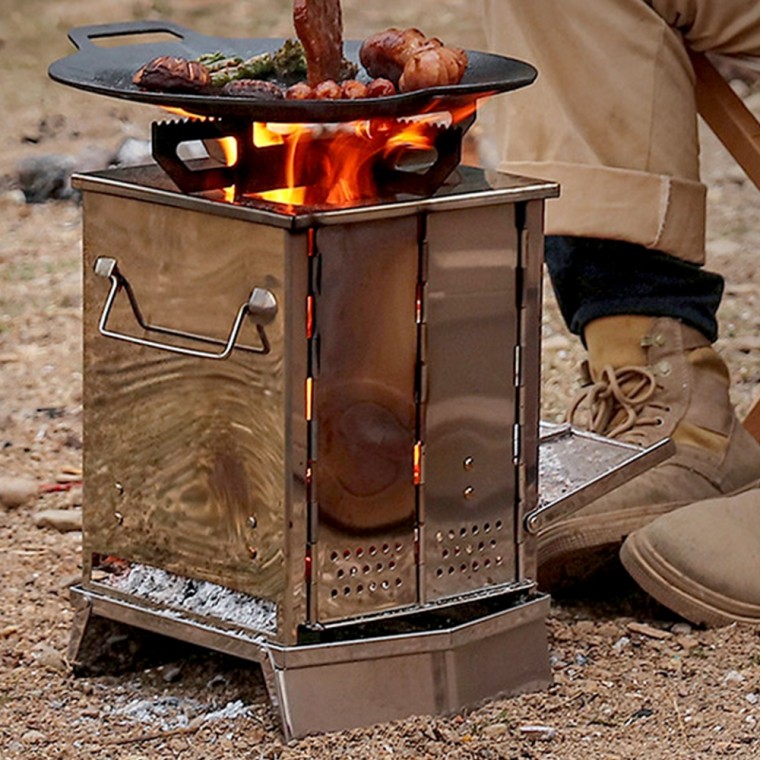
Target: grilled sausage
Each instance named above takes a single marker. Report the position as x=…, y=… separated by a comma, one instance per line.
x=433, y=66
x=253, y=88
x=384, y=54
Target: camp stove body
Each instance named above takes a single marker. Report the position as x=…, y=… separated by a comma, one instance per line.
x=319, y=425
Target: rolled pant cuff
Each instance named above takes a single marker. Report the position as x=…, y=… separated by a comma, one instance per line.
x=654, y=211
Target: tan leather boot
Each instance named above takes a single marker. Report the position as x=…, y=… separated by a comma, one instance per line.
x=650, y=378
x=702, y=561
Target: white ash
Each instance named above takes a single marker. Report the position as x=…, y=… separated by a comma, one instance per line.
x=200, y=598
x=170, y=713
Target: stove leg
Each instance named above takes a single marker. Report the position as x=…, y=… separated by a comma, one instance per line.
x=100, y=646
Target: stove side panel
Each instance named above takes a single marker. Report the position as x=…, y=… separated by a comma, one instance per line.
x=364, y=421
x=471, y=335
x=186, y=459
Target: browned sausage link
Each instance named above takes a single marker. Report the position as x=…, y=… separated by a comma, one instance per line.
x=380, y=88
x=384, y=54
x=299, y=91
x=434, y=66
x=353, y=90
x=253, y=88
x=328, y=90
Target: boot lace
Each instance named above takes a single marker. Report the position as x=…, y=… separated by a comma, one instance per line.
x=614, y=406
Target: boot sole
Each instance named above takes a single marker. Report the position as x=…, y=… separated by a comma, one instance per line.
x=679, y=593
x=578, y=534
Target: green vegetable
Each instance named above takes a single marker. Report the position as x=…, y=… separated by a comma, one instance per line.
x=257, y=67
x=290, y=62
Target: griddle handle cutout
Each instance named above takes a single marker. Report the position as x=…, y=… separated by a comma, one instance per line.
x=82, y=36
x=260, y=306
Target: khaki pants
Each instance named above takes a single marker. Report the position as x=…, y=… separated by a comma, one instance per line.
x=612, y=115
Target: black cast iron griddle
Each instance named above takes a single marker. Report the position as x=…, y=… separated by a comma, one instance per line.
x=109, y=71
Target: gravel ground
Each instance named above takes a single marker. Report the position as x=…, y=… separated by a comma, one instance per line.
x=630, y=680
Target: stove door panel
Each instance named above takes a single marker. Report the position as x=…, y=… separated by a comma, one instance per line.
x=470, y=317
x=185, y=457
x=365, y=416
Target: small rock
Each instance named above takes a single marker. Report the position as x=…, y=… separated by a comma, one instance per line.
x=539, y=733
x=733, y=676
x=647, y=630
x=172, y=673
x=621, y=643
x=681, y=629
x=14, y=492
x=495, y=730
x=33, y=737
x=752, y=698
x=44, y=177
x=62, y=520
x=50, y=659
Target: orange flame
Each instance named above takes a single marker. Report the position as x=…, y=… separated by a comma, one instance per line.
x=334, y=164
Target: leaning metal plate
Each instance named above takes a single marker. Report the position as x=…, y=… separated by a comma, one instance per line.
x=109, y=71
x=577, y=467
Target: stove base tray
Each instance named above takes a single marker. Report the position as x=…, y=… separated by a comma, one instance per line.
x=352, y=683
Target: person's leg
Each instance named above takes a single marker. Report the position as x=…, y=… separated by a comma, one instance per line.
x=612, y=117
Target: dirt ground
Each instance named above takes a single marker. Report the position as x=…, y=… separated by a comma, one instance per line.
x=630, y=680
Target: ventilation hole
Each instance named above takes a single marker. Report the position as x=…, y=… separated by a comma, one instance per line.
x=386, y=548
x=468, y=548
x=463, y=532
x=475, y=530
x=334, y=593
x=487, y=528
x=373, y=587
x=486, y=562
x=372, y=551
x=499, y=560
x=334, y=556
x=385, y=585
x=481, y=546
x=399, y=547
x=366, y=569
x=451, y=569
x=341, y=573
x=475, y=566
x=399, y=582
x=392, y=564
x=379, y=567
x=359, y=553
x=354, y=571
x=438, y=537
x=439, y=572
x=452, y=535
x=445, y=553
x=498, y=524
x=463, y=567
x=347, y=554
x=492, y=544
x=359, y=589
x=347, y=591
x=457, y=550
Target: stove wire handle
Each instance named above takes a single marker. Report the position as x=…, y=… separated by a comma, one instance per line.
x=260, y=306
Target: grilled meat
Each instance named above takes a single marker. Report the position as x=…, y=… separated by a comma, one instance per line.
x=385, y=54
x=319, y=26
x=433, y=66
x=253, y=88
x=172, y=75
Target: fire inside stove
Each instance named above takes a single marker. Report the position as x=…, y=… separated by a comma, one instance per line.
x=315, y=165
